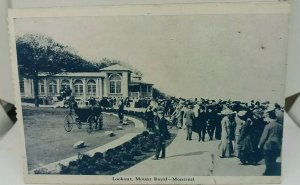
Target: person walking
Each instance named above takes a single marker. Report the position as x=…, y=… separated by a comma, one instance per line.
x=211, y=123
x=270, y=142
x=121, y=111
x=201, y=123
x=149, y=114
x=160, y=123
x=240, y=120
x=228, y=128
x=245, y=145
x=189, y=117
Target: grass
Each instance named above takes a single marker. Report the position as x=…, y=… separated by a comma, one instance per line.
x=47, y=141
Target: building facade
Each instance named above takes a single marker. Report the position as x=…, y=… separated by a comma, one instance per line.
x=114, y=81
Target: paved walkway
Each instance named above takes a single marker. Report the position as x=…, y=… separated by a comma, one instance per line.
x=191, y=158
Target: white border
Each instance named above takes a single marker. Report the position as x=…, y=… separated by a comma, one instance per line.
x=131, y=10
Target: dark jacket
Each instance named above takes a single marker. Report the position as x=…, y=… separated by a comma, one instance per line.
x=160, y=126
x=245, y=142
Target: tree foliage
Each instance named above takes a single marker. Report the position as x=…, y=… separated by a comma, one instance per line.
x=40, y=54
x=158, y=94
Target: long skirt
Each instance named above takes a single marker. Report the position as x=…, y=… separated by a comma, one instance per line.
x=225, y=148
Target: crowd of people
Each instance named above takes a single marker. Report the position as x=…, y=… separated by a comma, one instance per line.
x=249, y=131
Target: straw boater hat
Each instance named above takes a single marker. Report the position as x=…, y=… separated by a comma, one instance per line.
x=242, y=113
x=227, y=112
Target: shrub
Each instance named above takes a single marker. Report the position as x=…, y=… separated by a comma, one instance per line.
x=98, y=155
x=145, y=133
x=116, y=161
x=41, y=171
x=73, y=163
x=102, y=165
x=135, y=151
x=85, y=158
x=127, y=145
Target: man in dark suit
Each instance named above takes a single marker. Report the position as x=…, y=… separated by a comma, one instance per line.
x=201, y=123
x=270, y=142
x=161, y=129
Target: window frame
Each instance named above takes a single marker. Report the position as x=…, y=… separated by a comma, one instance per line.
x=115, y=85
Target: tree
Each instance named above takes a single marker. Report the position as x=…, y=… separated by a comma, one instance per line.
x=158, y=94
x=38, y=54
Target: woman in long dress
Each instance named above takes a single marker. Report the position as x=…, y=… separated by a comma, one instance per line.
x=228, y=128
x=246, y=149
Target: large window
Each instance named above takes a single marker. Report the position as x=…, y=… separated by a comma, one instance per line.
x=65, y=84
x=91, y=87
x=78, y=88
x=22, y=86
x=52, y=87
x=41, y=87
x=115, y=84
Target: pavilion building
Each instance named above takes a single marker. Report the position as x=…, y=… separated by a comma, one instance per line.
x=114, y=81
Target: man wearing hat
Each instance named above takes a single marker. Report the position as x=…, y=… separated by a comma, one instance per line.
x=161, y=130
x=270, y=142
x=189, y=117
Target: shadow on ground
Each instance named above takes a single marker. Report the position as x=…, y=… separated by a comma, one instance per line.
x=188, y=154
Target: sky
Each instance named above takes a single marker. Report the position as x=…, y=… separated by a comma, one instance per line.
x=238, y=57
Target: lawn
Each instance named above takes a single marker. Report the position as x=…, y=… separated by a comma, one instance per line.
x=47, y=141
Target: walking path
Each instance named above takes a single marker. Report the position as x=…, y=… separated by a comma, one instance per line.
x=193, y=158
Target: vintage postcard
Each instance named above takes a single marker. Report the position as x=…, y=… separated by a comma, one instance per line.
x=151, y=94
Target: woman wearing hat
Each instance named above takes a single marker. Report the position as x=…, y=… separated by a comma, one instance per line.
x=245, y=146
x=228, y=128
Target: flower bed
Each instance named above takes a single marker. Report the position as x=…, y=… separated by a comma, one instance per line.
x=119, y=158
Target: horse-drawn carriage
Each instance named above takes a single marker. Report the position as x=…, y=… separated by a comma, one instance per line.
x=91, y=116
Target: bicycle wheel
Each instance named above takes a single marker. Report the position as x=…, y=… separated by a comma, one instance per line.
x=68, y=123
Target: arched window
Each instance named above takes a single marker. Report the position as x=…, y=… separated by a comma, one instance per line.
x=115, y=84
x=41, y=87
x=22, y=86
x=52, y=87
x=91, y=87
x=78, y=87
x=65, y=84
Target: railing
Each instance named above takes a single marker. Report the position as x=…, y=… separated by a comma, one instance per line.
x=134, y=94
x=140, y=94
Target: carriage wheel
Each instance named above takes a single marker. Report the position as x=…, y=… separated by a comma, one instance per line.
x=68, y=123
x=91, y=124
x=79, y=125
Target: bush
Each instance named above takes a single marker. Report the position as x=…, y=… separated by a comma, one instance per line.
x=102, y=165
x=127, y=145
x=145, y=133
x=135, y=151
x=98, y=155
x=73, y=163
x=116, y=161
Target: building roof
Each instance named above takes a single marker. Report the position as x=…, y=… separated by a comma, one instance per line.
x=77, y=74
x=115, y=67
x=138, y=82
